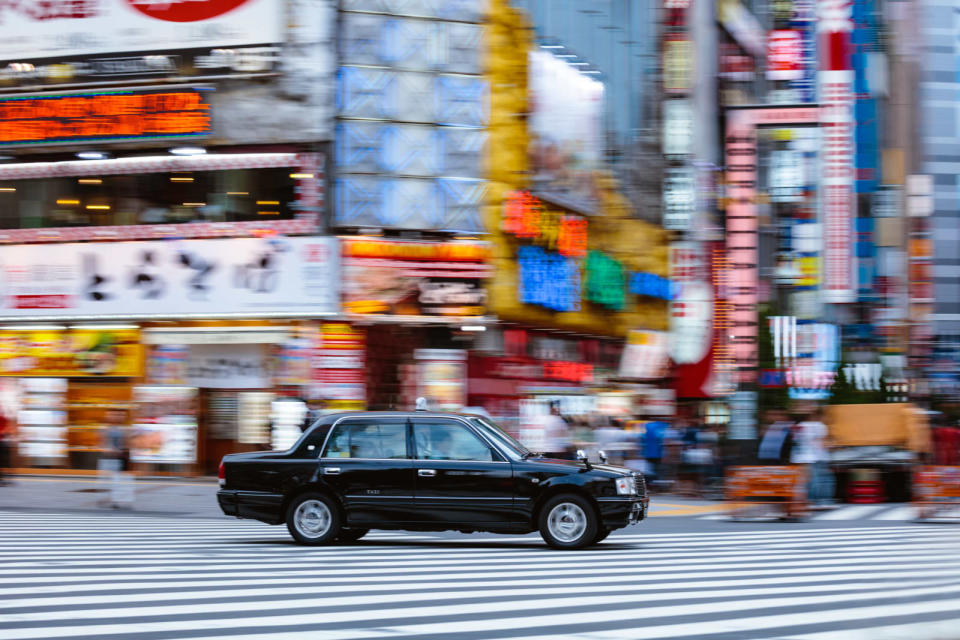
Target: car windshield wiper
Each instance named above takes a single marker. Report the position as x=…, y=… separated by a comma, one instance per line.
x=531, y=454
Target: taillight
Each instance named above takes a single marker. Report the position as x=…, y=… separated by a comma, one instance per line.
x=222, y=474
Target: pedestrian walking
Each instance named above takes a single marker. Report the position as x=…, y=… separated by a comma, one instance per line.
x=810, y=449
x=6, y=448
x=777, y=442
x=116, y=462
x=556, y=433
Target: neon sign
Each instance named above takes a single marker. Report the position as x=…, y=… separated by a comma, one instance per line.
x=525, y=216
x=651, y=285
x=605, y=281
x=113, y=115
x=548, y=279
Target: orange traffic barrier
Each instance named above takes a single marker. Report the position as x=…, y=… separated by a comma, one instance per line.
x=935, y=489
x=782, y=487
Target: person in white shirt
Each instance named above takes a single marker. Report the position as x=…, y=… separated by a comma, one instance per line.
x=810, y=448
x=556, y=433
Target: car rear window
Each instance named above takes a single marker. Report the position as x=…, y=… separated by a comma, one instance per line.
x=372, y=439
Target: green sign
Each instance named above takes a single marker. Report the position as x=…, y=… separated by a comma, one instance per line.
x=605, y=281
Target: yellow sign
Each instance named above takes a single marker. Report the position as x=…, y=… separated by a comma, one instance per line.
x=78, y=353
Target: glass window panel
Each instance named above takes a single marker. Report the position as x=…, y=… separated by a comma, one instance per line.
x=368, y=439
x=234, y=195
x=449, y=441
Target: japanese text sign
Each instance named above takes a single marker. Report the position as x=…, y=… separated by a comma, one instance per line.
x=171, y=278
x=785, y=55
x=548, y=279
x=114, y=115
x=525, y=216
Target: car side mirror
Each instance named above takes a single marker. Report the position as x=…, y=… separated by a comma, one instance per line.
x=582, y=457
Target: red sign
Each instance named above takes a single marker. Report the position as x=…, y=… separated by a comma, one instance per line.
x=785, y=55
x=185, y=10
x=836, y=116
x=525, y=216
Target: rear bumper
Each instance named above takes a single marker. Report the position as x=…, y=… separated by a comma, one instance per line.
x=257, y=505
x=617, y=513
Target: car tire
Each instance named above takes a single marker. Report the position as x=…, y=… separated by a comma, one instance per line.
x=568, y=521
x=349, y=536
x=313, y=519
x=601, y=535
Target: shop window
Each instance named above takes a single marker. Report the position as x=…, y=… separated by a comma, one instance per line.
x=378, y=440
x=234, y=195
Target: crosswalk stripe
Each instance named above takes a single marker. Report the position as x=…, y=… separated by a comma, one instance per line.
x=853, y=512
x=905, y=512
x=134, y=576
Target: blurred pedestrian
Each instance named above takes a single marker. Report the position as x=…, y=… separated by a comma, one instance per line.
x=117, y=445
x=777, y=442
x=810, y=449
x=556, y=433
x=117, y=460
x=6, y=448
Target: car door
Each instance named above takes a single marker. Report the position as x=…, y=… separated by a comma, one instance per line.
x=460, y=477
x=367, y=463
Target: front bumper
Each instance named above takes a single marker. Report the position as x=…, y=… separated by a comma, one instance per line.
x=616, y=513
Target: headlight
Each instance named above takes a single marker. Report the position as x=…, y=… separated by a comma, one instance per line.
x=626, y=486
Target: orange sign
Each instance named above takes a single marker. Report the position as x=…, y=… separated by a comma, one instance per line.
x=525, y=216
x=115, y=115
x=408, y=250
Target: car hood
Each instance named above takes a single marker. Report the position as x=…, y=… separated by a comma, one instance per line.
x=556, y=464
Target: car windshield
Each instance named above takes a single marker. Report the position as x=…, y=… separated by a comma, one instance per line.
x=502, y=438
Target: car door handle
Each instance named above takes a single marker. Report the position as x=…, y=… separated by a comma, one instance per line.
x=331, y=471
x=426, y=473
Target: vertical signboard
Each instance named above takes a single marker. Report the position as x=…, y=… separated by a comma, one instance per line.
x=742, y=237
x=834, y=23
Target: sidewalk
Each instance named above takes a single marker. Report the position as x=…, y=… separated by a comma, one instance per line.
x=197, y=497
x=193, y=497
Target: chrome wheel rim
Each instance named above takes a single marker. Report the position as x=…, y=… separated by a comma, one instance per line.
x=567, y=522
x=312, y=518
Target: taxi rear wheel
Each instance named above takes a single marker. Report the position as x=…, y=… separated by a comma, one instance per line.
x=568, y=521
x=313, y=519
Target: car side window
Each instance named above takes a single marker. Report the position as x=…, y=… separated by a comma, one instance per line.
x=372, y=439
x=446, y=440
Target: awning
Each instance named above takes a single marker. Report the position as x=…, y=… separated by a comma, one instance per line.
x=216, y=335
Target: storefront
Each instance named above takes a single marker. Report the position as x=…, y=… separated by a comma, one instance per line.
x=415, y=308
x=211, y=335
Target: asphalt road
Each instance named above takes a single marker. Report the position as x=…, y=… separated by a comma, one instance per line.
x=109, y=575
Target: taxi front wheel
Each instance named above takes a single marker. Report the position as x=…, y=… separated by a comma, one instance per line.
x=568, y=521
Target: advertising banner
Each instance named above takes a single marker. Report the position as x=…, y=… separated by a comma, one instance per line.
x=836, y=95
x=442, y=378
x=784, y=55
x=76, y=353
x=165, y=425
x=645, y=356
x=340, y=367
x=414, y=278
x=566, y=131
x=229, y=366
x=31, y=30
x=185, y=278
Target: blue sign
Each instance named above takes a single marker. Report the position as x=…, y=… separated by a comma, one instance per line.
x=651, y=285
x=548, y=279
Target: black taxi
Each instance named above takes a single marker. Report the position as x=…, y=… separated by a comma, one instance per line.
x=423, y=471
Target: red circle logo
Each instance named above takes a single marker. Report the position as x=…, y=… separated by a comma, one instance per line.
x=185, y=10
